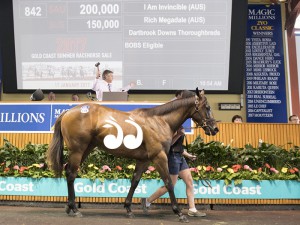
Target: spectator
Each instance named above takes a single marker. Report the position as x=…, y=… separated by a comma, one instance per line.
x=237, y=119
x=75, y=97
x=178, y=95
x=294, y=119
x=51, y=96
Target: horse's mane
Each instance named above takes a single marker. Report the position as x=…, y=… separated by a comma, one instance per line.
x=170, y=106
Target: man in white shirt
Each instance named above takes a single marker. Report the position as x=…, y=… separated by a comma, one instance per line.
x=106, y=85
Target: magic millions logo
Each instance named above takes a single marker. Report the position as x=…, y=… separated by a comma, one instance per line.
x=57, y=112
x=22, y=117
x=262, y=14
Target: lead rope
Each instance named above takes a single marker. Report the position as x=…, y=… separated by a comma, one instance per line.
x=207, y=182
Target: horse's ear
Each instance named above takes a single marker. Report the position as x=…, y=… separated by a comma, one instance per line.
x=202, y=92
x=197, y=92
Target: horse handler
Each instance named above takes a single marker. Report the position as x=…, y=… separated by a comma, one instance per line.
x=177, y=167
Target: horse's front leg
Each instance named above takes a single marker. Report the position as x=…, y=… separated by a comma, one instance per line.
x=161, y=164
x=140, y=167
x=71, y=208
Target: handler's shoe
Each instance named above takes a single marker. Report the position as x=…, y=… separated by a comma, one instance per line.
x=196, y=214
x=144, y=206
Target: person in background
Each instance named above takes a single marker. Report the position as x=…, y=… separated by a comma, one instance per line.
x=51, y=96
x=237, y=119
x=75, y=97
x=106, y=84
x=294, y=119
x=178, y=95
x=177, y=167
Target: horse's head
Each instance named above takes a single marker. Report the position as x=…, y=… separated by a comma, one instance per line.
x=202, y=114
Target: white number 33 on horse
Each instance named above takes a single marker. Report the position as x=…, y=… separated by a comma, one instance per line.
x=130, y=141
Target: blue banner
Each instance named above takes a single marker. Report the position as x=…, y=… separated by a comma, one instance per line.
x=119, y=188
x=264, y=65
x=40, y=117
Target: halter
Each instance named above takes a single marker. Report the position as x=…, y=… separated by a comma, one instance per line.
x=203, y=121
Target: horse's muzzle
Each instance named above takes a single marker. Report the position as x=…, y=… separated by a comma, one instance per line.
x=211, y=131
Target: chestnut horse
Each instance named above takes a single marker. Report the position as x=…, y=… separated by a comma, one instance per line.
x=142, y=134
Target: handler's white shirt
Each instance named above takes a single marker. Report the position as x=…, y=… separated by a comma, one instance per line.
x=101, y=86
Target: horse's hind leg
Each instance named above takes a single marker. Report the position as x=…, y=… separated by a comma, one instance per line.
x=71, y=174
x=140, y=167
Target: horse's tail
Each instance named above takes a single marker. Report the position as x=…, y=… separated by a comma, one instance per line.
x=56, y=147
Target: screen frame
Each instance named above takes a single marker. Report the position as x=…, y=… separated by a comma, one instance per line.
x=236, y=62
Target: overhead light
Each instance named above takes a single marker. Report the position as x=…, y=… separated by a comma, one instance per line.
x=278, y=1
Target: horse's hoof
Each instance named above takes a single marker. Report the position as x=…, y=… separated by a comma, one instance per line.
x=130, y=215
x=75, y=214
x=71, y=212
x=183, y=219
x=67, y=209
